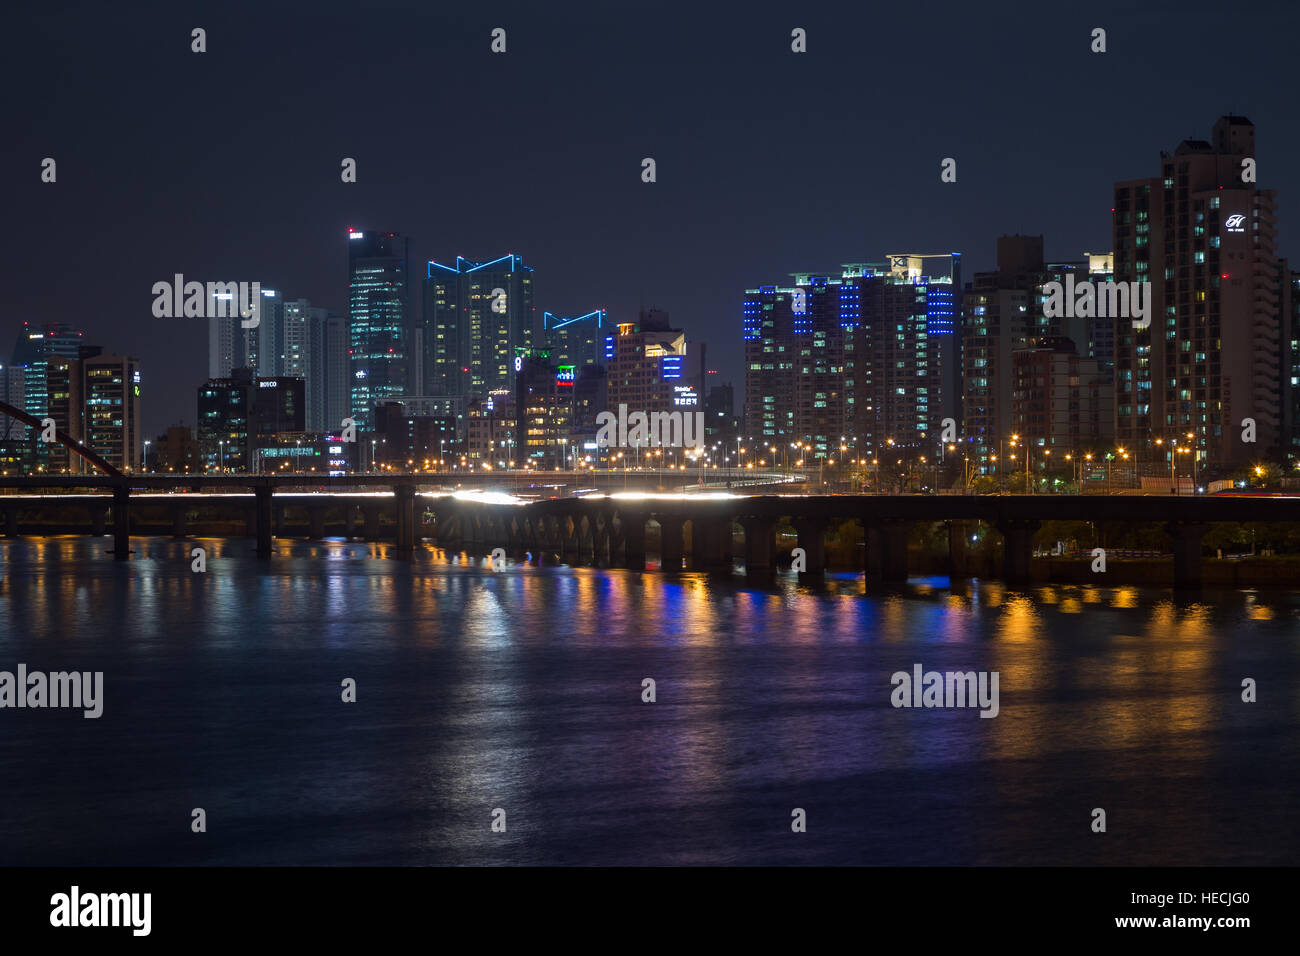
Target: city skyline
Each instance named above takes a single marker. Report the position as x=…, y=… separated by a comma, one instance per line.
x=721, y=216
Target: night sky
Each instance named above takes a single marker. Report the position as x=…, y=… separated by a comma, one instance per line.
x=225, y=165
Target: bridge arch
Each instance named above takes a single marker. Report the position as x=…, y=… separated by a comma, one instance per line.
x=67, y=441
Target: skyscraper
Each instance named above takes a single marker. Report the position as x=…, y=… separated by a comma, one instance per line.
x=1203, y=234
x=112, y=396
x=575, y=340
x=861, y=354
x=645, y=364
x=477, y=317
x=382, y=345
x=13, y=391
x=313, y=347
x=1003, y=311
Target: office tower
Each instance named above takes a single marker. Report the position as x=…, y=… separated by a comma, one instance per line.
x=223, y=429
x=477, y=317
x=543, y=413
x=13, y=392
x=33, y=350
x=576, y=340
x=1210, y=359
x=382, y=344
x=112, y=418
x=276, y=404
x=1002, y=311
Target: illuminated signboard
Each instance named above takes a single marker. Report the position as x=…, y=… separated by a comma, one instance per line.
x=1235, y=223
x=565, y=375
x=268, y=384
x=685, y=395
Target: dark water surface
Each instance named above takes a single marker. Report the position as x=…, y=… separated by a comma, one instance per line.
x=521, y=689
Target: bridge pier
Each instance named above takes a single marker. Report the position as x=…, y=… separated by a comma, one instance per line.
x=1017, y=549
x=760, y=535
x=316, y=522
x=601, y=534
x=958, y=565
x=670, y=542
x=98, y=519
x=11, y=520
x=812, y=538
x=177, y=510
x=370, y=529
x=570, y=544
x=121, y=523
x=404, y=498
x=887, y=549
x=262, y=518
x=449, y=528
x=633, y=528
x=709, y=542
x=1187, y=537
x=349, y=519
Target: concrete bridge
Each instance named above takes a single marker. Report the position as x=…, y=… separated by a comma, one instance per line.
x=611, y=529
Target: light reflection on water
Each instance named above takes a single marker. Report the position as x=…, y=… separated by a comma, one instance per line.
x=521, y=689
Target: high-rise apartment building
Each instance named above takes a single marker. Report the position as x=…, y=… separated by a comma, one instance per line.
x=313, y=347
x=113, y=427
x=869, y=355
x=477, y=317
x=646, y=366
x=1062, y=402
x=1203, y=234
x=1003, y=311
x=383, y=345
x=1291, y=364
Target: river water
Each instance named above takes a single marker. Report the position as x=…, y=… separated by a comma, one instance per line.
x=521, y=690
